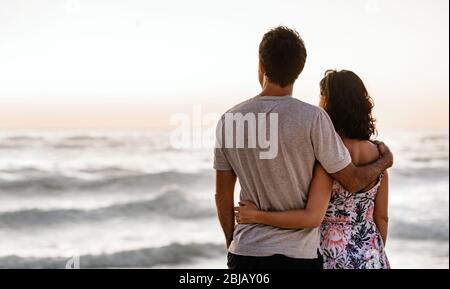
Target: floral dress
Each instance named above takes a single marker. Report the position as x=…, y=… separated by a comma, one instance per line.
x=349, y=237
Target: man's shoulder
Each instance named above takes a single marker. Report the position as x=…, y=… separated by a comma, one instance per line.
x=303, y=111
x=242, y=106
x=306, y=106
x=292, y=102
x=293, y=108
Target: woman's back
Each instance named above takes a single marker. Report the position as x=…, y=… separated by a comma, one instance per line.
x=350, y=238
x=362, y=152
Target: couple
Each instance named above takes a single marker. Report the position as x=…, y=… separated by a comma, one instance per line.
x=321, y=201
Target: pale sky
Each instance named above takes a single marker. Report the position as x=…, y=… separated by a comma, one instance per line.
x=132, y=64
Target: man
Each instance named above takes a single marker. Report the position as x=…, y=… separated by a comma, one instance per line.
x=279, y=181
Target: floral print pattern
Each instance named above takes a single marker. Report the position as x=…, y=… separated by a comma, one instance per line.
x=349, y=237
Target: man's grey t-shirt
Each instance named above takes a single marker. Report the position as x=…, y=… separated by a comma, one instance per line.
x=305, y=133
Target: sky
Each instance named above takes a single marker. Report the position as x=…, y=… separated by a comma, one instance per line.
x=104, y=64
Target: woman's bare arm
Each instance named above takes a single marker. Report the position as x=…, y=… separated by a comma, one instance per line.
x=380, y=214
x=310, y=217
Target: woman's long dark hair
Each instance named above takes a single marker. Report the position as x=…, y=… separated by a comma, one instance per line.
x=347, y=102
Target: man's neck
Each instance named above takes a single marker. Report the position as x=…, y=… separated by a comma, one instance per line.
x=270, y=89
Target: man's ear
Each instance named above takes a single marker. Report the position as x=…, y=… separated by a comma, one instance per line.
x=261, y=68
x=261, y=73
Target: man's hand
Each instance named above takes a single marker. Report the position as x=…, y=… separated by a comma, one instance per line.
x=385, y=153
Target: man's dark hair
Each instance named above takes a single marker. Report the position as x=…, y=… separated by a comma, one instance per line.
x=283, y=55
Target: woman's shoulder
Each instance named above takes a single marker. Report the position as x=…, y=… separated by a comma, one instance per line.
x=362, y=151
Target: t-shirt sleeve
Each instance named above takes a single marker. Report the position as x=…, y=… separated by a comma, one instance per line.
x=329, y=149
x=221, y=162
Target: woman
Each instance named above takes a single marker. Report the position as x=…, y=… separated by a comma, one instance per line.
x=354, y=226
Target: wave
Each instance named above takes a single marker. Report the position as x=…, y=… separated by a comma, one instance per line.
x=22, y=138
x=86, y=141
x=173, y=254
x=436, y=231
x=128, y=181
x=26, y=172
x=19, y=141
x=170, y=204
x=435, y=137
x=69, y=141
x=422, y=174
x=22, y=171
x=423, y=159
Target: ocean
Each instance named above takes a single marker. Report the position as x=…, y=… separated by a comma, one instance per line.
x=129, y=199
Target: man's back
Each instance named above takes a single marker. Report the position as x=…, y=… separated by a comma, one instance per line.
x=280, y=183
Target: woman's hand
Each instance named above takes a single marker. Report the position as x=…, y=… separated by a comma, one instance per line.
x=246, y=213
